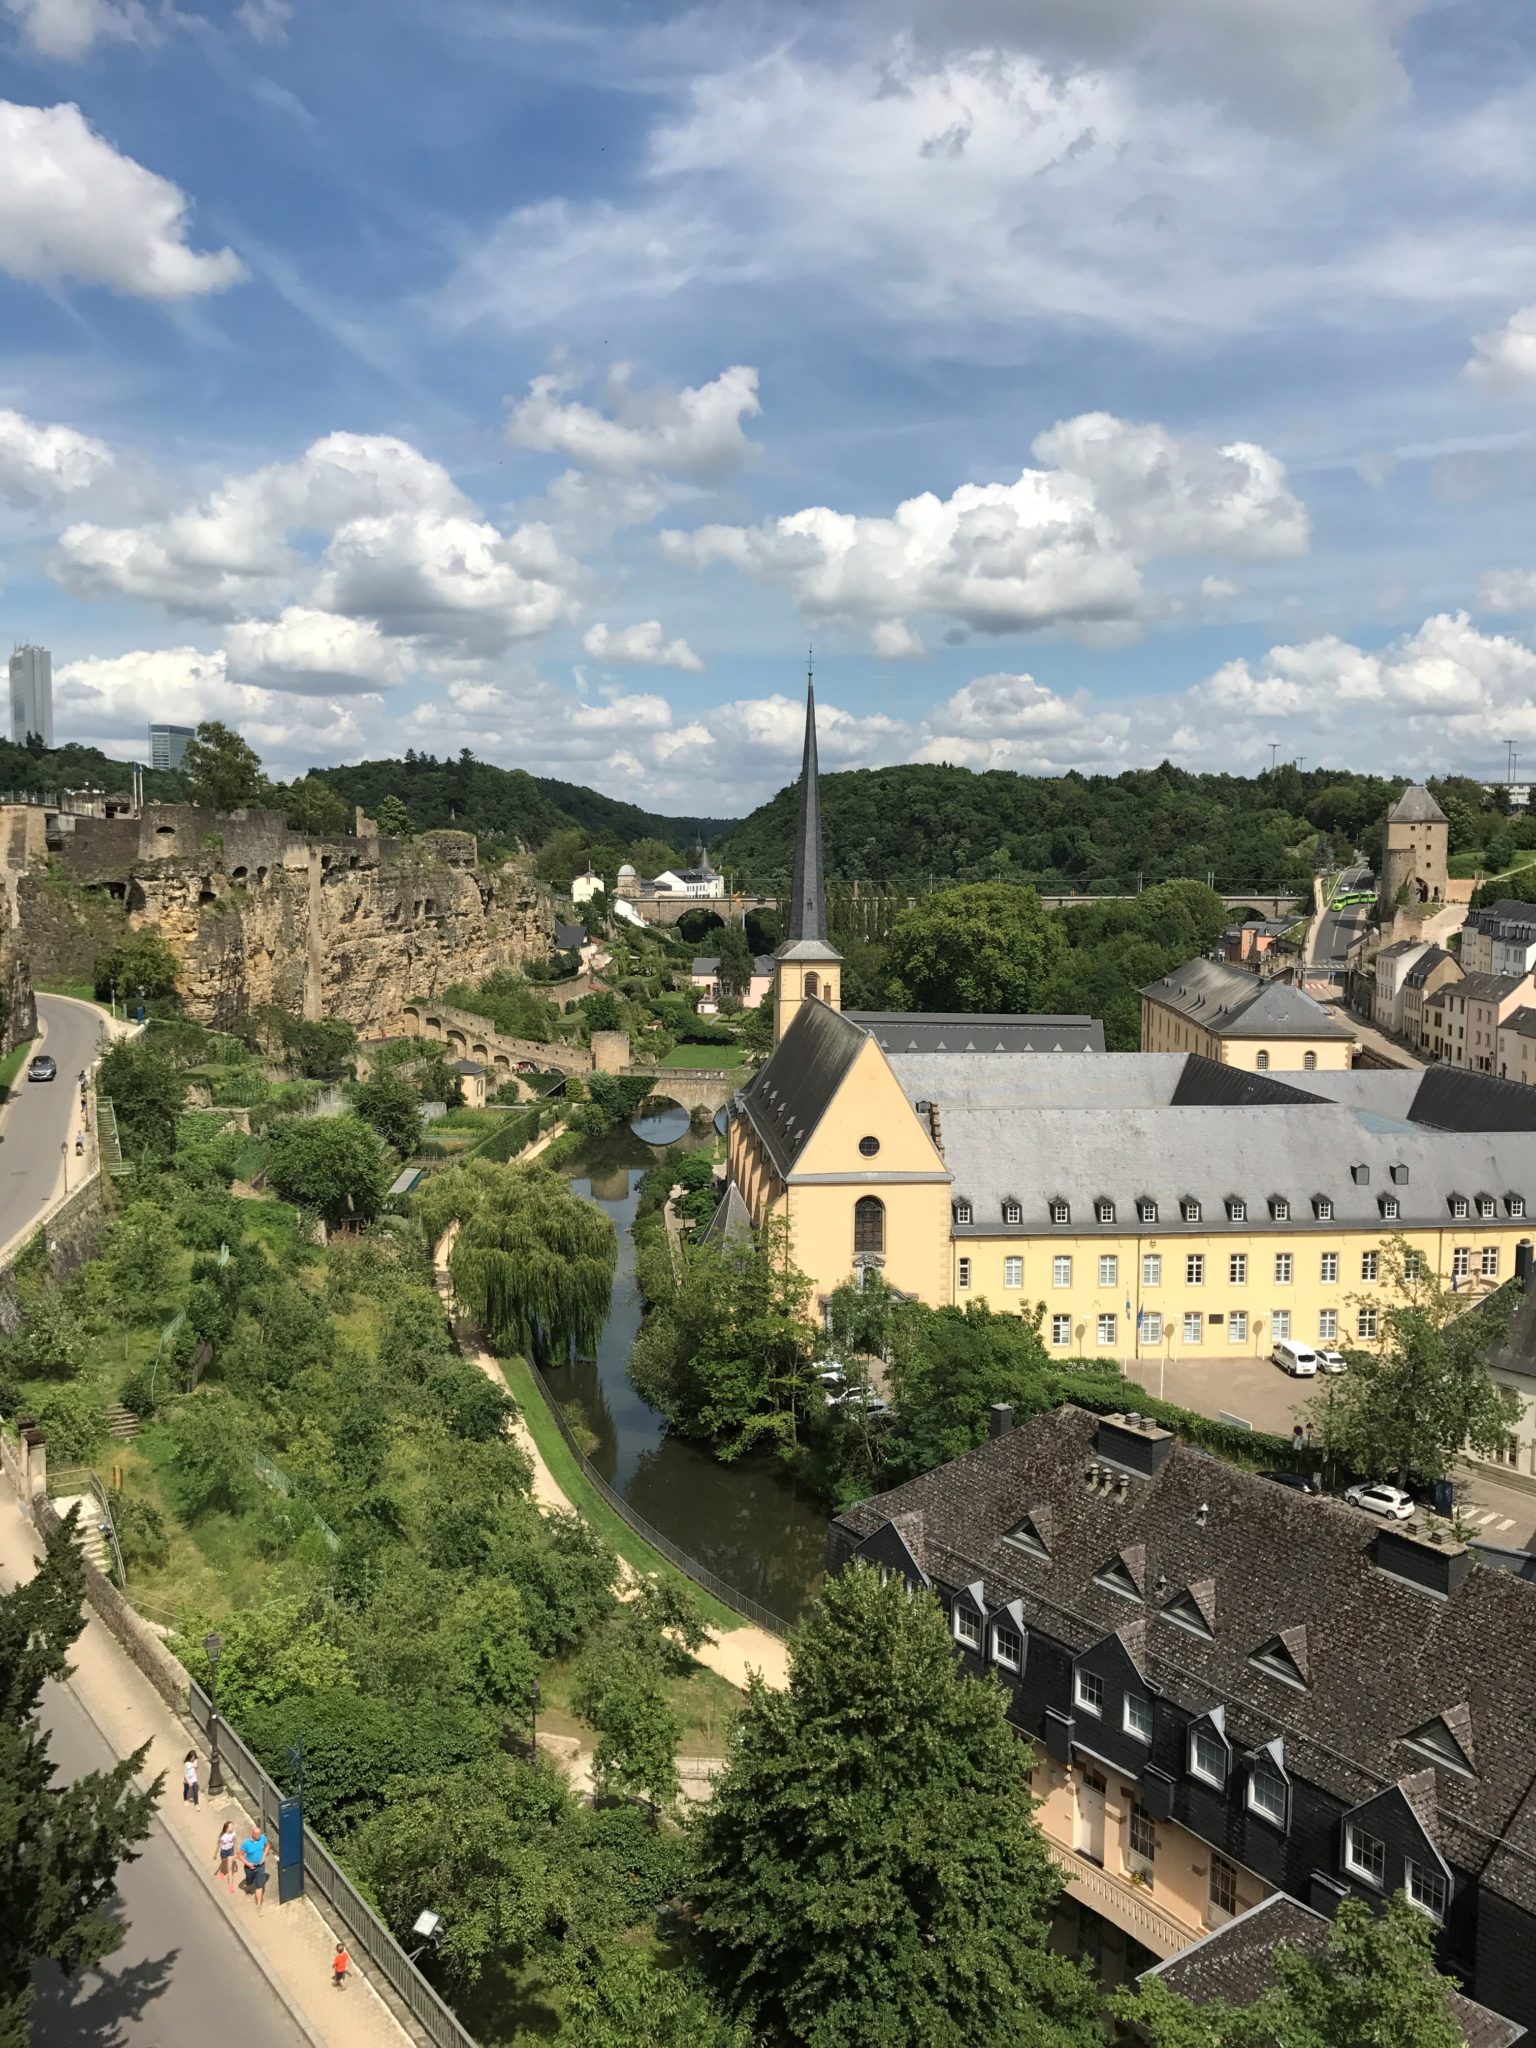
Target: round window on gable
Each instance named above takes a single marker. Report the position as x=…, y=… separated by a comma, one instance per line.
x=869, y=1147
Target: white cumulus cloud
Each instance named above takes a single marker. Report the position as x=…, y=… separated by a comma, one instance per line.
x=1508, y=590
x=450, y=579
x=1505, y=358
x=315, y=653
x=695, y=433
x=40, y=463
x=1445, y=671
x=71, y=29
x=73, y=207
x=641, y=644
x=1011, y=721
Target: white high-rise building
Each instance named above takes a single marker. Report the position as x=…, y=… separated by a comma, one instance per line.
x=32, y=694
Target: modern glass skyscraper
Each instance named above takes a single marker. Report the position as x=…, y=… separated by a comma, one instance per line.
x=167, y=744
x=32, y=694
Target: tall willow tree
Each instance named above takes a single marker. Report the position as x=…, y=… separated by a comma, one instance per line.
x=533, y=1262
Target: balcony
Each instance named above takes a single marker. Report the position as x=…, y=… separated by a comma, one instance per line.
x=1130, y=1907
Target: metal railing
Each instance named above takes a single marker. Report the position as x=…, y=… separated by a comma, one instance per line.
x=65, y=1480
x=701, y=1575
x=344, y=1903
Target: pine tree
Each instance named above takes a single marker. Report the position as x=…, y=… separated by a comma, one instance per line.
x=869, y=1869
x=60, y=1845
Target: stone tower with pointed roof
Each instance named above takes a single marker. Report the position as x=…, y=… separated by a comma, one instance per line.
x=806, y=967
x=1414, y=856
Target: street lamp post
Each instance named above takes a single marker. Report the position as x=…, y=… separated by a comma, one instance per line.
x=533, y=1694
x=213, y=1643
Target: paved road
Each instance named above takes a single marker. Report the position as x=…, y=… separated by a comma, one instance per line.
x=1338, y=929
x=179, y=1980
x=44, y=1115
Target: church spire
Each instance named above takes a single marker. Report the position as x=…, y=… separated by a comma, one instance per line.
x=807, y=907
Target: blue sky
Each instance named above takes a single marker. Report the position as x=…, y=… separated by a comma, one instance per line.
x=1092, y=380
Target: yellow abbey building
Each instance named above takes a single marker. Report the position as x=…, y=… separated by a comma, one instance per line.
x=1148, y=1204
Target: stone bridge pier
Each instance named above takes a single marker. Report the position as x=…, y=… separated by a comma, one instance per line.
x=692, y=1088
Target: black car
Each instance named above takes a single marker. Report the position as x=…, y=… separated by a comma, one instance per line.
x=42, y=1068
x=1293, y=1480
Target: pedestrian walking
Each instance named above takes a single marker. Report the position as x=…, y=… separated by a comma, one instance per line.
x=227, y=1853
x=341, y=1962
x=254, y=1850
x=189, y=1785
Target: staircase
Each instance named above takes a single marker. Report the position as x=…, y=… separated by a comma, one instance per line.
x=93, y=1545
x=122, y=1423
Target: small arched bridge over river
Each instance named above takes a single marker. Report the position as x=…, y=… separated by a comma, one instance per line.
x=692, y=1088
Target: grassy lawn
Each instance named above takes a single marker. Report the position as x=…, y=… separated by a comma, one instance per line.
x=13, y=1063
x=613, y=1529
x=82, y=991
x=707, y=1704
x=709, y=1056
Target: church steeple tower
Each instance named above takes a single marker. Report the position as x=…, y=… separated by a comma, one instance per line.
x=807, y=967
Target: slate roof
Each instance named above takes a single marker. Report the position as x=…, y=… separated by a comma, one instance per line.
x=570, y=938
x=787, y=1098
x=1235, y=1965
x=1233, y=1004
x=1523, y=1021
x=958, y=1032
x=1517, y=1354
x=731, y=1221
x=706, y=964
x=1483, y=988
x=1455, y=1099
x=1416, y=807
x=1508, y=910
x=1425, y=965
x=1384, y=1658
x=1395, y=952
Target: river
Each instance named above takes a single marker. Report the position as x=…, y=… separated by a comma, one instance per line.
x=746, y=1522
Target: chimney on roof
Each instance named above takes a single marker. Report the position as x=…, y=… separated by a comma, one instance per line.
x=936, y=1128
x=999, y=1419
x=1409, y=1554
x=1525, y=1257
x=1134, y=1444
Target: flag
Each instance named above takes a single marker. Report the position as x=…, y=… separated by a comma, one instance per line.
x=1455, y=1283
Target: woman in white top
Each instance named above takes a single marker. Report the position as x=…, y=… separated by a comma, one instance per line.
x=189, y=1777
x=227, y=1853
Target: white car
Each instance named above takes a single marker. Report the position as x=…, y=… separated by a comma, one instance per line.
x=831, y=1375
x=860, y=1397
x=1330, y=1361
x=1378, y=1499
x=1299, y=1360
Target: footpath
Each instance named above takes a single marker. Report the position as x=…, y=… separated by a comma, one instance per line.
x=735, y=1655
x=291, y=1945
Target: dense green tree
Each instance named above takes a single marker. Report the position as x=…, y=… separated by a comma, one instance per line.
x=140, y=964
x=622, y=1997
x=509, y=1001
x=532, y=1262
x=139, y=1264
x=986, y=947
x=602, y=1012
x=650, y=856
x=622, y=1691
x=147, y=1094
x=353, y=1746
x=393, y=819
x=284, y=1648
x=61, y=1845
x=485, y=1638
x=393, y=1107
x=222, y=771
x=869, y=1868
x=209, y=1452
x=1424, y=1394
x=735, y=957
x=1375, y=1985
x=322, y=1045
x=562, y=857
x=334, y=1164
x=312, y=807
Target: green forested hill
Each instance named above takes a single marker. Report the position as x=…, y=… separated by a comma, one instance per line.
x=74, y=767
x=1070, y=832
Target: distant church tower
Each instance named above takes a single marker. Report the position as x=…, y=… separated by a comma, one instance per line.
x=806, y=968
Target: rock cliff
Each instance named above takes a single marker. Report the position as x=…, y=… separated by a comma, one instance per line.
x=348, y=927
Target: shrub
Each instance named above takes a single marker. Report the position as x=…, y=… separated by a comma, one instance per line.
x=141, y=1534
x=74, y=1421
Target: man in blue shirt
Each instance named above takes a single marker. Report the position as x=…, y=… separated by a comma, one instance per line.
x=254, y=1850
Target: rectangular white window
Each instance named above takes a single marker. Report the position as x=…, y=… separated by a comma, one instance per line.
x=1327, y=1325
x=963, y=1273
x=1364, y=1855
x=1461, y=1261
x=1486, y=1206
x=1365, y=1323
x=1138, y=1716
x=1061, y=1271
x=1237, y=1326
x=1208, y=1756
x=1284, y=1265
x=1428, y=1890
x=1193, y=1324
x=1280, y=1209
x=1370, y=1265
x=1109, y=1270
x=1237, y=1212
x=1391, y=1208
x=1414, y=1267
x=1061, y=1329
x=1151, y=1329
x=1194, y=1270
x=1012, y=1213
x=1328, y=1269
x=1237, y=1269
x=968, y=1627
x=1147, y=1211
x=1152, y=1269
x=1489, y=1264
x=1459, y=1207
x=1280, y=1324
x=1106, y=1329
x=1061, y=1212
x=1189, y=1209
x=1143, y=1837
x=1266, y=1793
x=1324, y=1209
x=1007, y=1645
x=1013, y=1272
x=1223, y=1891
x=1088, y=1691
x=1104, y=1212
x=1517, y=1205
x=962, y=1212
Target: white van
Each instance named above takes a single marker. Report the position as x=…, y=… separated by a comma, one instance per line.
x=1299, y=1360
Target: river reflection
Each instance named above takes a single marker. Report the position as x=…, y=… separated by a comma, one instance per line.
x=745, y=1521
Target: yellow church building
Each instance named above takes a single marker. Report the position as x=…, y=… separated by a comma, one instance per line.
x=1144, y=1204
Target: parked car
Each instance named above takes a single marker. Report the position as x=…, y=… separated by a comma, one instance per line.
x=1379, y=1499
x=42, y=1068
x=860, y=1397
x=1293, y=1480
x=831, y=1375
x=1299, y=1360
x=1330, y=1361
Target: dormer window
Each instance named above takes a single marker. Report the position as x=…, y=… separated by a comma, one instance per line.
x=1117, y=1577
x=1459, y=1207
x=967, y=1626
x=1322, y=1208
x=1487, y=1206
x=1515, y=1204
x=1208, y=1752
x=1146, y=1210
x=1013, y=1212
x=1279, y=1659
x=1399, y=1175
x=1438, y=1743
x=1268, y=1791
x=1279, y=1209
x=1061, y=1212
x=1184, y=1611
x=963, y=1212
x=1189, y=1209
x=1391, y=1207
x=1361, y=1176
x=1104, y=1210
x=1237, y=1209
x=1027, y=1535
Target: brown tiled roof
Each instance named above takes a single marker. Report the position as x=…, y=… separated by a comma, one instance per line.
x=1383, y=1658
